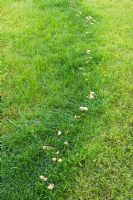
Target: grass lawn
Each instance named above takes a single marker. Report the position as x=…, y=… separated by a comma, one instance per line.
x=54, y=54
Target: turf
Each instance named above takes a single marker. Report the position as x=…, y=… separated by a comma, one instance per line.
x=46, y=75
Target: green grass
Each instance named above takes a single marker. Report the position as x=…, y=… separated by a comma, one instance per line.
x=46, y=76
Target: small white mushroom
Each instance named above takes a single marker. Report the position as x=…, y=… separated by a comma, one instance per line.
x=57, y=152
x=91, y=95
x=60, y=160
x=90, y=17
x=59, y=133
x=51, y=186
x=66, y=143
x=43, y=178
x=83, y=108
x=77, y=116
x=47, y=147
x=44, y=147
x=88, y=51
x=54, y=159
